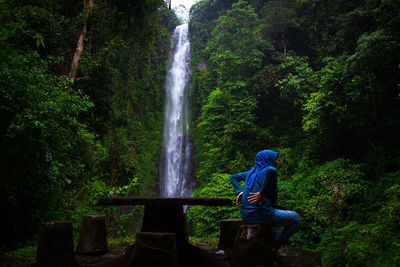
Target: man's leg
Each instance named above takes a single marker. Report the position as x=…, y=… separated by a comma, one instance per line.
x=289, y=220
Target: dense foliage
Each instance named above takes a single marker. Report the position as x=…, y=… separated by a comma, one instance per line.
x=66, y=142
x=317, y=81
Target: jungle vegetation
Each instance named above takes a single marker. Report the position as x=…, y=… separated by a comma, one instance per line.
x=68, y=138
x=319, y=82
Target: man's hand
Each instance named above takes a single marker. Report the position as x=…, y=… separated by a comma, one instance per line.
x=239, y=196
x=255, y=197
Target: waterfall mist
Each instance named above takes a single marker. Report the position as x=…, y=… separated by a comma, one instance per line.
x=176, y=164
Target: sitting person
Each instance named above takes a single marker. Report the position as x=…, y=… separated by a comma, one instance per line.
x=260, y=194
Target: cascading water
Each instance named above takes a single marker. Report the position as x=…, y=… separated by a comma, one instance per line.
x=176, y=165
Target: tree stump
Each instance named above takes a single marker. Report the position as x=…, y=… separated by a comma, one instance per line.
x=56, y=246
x=228, y=231
x=254, y=246
x=155, y=249
x=93, y=236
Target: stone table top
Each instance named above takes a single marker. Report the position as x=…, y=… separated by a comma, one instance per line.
x=166, y=201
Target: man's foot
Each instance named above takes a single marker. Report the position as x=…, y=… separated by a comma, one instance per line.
x=281, y=252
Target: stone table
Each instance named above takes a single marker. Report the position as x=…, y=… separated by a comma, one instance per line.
x=163, y=214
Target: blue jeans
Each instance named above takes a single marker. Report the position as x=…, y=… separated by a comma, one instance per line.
x=289, y=220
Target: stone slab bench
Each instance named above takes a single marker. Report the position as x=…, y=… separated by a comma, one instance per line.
x=166, y=201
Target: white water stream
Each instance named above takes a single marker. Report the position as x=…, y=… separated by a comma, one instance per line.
x=176, y=165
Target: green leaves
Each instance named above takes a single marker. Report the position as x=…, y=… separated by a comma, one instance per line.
x=206, y=219
x=65, y=144
x=232, y=46
x=319, y=82
x=39, y=39
x=227, y=112
x=362, y=243
x=322, y=195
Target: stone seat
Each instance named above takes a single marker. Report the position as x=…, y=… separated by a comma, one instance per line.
x=55, y=247
x=93, y=236
x=227, y=234
x=254, y=246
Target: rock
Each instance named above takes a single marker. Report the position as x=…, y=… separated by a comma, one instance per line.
x=155, y=249
x=228, y=231
x=93, y=236
x=56, y=246
x=296, y=257
x=253, y=246
x=116, y=256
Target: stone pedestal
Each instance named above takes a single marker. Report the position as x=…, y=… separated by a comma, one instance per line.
x=254, y=245
x=93, y=236
x=186, y=227
x=228, y=231
x=56, y=246
x=155, y=249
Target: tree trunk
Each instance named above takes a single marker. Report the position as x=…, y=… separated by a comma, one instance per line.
x=80, y=44
x=371, y=91
x=284, y=44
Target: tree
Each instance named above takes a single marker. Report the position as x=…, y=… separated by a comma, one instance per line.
x=279, y=18
x=80, y=44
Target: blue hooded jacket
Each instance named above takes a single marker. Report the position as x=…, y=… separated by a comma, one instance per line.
x=261, y=178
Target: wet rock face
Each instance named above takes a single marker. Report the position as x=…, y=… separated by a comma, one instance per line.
x=254, y=246
x=155, y=249
x=56, y=246
x=93, y=236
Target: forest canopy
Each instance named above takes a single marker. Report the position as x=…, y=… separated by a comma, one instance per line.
x=68, y=139
x=319, y=82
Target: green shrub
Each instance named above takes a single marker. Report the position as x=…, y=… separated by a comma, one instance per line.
x=321, y=196
x=372, y=244
x=206, y=219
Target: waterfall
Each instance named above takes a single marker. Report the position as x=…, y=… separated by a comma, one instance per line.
x=176, y=165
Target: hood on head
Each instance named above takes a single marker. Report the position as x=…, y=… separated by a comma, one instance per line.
x=266, y=158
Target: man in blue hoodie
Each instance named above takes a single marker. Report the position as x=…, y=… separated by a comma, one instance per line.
x=260, y=194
